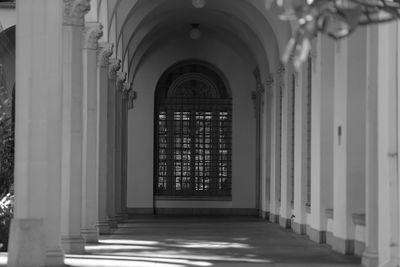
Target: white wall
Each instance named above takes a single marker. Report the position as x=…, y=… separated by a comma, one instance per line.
x=140, y=120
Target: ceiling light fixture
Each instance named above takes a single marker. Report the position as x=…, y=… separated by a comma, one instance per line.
x=198, y=3
x=195, y=32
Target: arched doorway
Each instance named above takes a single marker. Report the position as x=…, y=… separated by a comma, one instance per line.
x=193, y=133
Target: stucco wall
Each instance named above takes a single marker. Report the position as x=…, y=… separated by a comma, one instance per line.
x=140, y=120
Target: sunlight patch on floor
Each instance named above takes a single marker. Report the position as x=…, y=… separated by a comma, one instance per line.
x=129, y=242
x=106, y=260
x=90, y=248
x=207, y=244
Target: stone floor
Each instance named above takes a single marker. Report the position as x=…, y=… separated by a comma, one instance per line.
x=178, y=242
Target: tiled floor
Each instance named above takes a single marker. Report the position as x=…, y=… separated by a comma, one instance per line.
x=178, y=242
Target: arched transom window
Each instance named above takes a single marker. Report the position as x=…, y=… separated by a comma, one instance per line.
x=193, y=133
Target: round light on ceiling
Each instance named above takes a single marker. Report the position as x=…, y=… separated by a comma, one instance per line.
x=195, y=32
x=198, y=3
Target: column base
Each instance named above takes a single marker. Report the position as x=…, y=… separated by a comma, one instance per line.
x=103, y=228
x=73, y=244
x=274, y=218
x=90, y=235
x=27, y=243
x=55, y=257
x=299, y=228
x=112, y=222
x=285, y=223
x=344, y=246
x=370, y=258
x=318, y=236
x=264, y=214
x=121, y=217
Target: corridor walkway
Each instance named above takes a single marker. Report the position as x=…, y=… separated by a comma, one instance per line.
x=204, y=241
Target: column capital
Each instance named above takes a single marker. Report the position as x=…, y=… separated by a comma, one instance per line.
x=270, y=80
x=74, y=12
x=257, y=75
x=92, y=33
x=127, y=87
x=104, y=52
x=131, y=97
x=281, y=68
x=114, y=67
x=121, y=78
x=269, y=83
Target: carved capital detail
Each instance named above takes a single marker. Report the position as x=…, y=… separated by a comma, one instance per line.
x=269, y=83
x=270, y=80
x=257, y=75
x=121, y=78
x=92, y=33
x=281, y=68
x=74, y=12
x=114, y=67
x=104, y=52
x=131, y=98
x=125, y=90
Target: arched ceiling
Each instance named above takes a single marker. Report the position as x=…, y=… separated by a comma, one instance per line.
x=138, y=26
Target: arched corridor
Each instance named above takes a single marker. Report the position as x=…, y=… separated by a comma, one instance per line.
x=130, y=108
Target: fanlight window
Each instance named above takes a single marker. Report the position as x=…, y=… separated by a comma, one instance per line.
x=193, y=133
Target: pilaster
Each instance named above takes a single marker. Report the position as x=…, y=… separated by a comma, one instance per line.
x=275, y=185
x=104, y=52
x=257, y=97
x=266, y=146
x=287, y=128
x=72, y=129
x=93, y=31
x=300, y=152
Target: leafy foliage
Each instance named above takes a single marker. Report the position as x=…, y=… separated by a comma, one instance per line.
x=6, y=213
x=6, y=160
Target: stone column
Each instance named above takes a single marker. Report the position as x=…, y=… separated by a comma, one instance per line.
x=35, y=229
x=300, y=150
x=349, y=138
x=257, y=97
x=121, y=78
x=287, y=149
x=388, y=142
x=126, y=106
x=115, y=65
x=275, y=185
x=74, y=11
x=321, y=137
x=370, y=255
x=104, y=52
x=93, y=31
x=266, y=147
